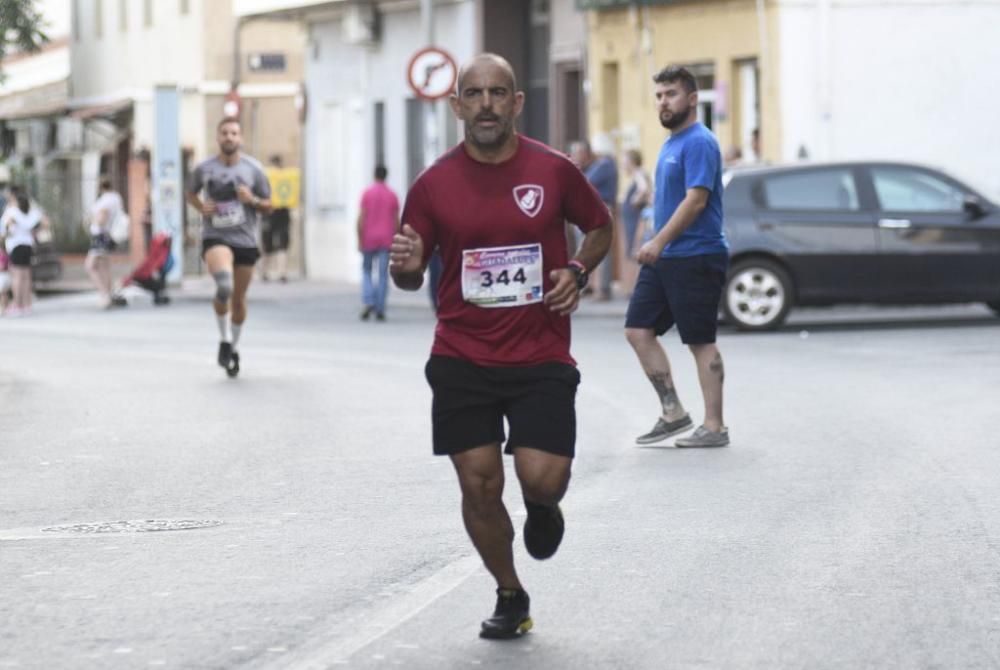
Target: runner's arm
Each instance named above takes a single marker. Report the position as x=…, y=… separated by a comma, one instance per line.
x=564, y=297
x=205, y=208
x=406, y=259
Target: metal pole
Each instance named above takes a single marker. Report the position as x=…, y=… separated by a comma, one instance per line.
x=431, y=149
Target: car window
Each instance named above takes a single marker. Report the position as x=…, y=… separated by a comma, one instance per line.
x=815, y=189
x=908, y=190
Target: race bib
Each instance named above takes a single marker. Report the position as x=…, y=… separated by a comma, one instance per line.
x=228, y=214
x=502, y=276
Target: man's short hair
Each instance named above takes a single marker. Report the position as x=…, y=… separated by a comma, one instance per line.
x=381, y=173
x=104, y=184
x=676, y=73
x=226, y=121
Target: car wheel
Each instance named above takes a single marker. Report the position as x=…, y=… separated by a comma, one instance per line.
x=995, y=306
x=758, y=295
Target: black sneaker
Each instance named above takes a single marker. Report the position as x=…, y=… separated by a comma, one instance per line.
x=233, y=368
x=664, y=429
x=380, y=316
x=510, y=618
x=543, y=530
x=367, y=312
x=225, y=353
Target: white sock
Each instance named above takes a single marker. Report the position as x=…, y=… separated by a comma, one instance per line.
x=224, y=326
x=237, y=328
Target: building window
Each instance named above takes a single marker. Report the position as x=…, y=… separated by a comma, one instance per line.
x=98, y=17
x=123, y=15
x=147, y=13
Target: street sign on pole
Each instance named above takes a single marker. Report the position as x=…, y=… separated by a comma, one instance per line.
x=168, y=176
x=432, y=73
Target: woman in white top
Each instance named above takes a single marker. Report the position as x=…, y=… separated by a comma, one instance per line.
x=104, y=211
x=18, y=225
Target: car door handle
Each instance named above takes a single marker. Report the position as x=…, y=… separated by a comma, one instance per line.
x=895, y=223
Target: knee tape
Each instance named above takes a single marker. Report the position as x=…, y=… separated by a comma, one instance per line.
x=223, y=285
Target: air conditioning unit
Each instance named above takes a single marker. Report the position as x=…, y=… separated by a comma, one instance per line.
x=361, y=24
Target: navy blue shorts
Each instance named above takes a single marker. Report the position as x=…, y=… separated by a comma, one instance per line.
x=684, y=291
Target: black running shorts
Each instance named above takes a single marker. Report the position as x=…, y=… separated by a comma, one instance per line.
x=472, y=401
x=20, y=256
x=241, y=255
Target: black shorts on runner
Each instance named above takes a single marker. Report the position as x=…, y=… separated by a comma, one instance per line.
x=685, y=291
x=471, y=402
x=20, y=256
x=241, y=255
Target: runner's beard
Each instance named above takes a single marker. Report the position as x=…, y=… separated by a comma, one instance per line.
x=229, y=149
x=488, y=138
x=676, y=120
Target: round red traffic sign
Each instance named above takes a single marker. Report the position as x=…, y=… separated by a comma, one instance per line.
x=432, y=73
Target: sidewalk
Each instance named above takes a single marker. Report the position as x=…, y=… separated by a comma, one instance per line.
x=74, y=276
x=75, y=280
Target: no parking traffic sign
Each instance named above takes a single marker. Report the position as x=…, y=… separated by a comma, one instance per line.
x=432, y=73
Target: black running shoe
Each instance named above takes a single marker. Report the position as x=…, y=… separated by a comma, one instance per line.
x=233, y=368
x=225, y=353
x=543, y=530
x=510, y=618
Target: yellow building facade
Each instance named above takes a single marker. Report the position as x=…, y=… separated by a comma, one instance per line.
x=728, y=44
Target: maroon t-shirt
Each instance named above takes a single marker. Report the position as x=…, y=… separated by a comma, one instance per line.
x=461, y=204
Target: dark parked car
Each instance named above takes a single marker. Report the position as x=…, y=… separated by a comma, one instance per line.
x=887, y=233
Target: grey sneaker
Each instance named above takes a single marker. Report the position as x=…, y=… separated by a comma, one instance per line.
x=664, y=429
x=703, y=437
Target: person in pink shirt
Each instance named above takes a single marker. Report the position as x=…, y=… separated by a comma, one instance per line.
x=378, y=221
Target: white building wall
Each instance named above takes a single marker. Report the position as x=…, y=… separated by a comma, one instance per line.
x=343, y=83
x=127, y=64
x=910, y=80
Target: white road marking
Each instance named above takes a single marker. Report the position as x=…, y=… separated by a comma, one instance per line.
x=337, y=651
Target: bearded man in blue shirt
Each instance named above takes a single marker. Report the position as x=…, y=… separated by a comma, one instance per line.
x=683, y=266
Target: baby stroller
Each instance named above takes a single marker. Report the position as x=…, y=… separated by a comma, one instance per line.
x=151, y=274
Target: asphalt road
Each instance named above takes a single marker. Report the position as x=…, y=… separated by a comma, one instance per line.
x=853, y=523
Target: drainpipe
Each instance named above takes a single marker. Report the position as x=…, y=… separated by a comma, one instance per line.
x=765, y=69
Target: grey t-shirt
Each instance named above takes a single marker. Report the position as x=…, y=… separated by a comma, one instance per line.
x=234, y=223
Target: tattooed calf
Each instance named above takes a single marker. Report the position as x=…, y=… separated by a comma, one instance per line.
x=664, y=386
x=716, y=367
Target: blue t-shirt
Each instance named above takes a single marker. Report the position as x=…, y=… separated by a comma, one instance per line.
x=691, y=159
x=603, y=175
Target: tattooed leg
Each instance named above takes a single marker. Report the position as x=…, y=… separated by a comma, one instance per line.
x=669, y=402
x=653, y=360
x=711, y=375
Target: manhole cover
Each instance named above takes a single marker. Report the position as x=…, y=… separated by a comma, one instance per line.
x=141, y=526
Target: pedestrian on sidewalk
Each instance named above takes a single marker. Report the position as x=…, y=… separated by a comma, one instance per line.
x=683, y=266
x=495, y=206
x=275, y=237
x=230, y=191
x=103, y=212
x=19, y=224
x=378, y=221
x=638, y=196
x=599, y=167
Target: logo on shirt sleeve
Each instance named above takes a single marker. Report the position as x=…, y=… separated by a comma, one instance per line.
x=529, y=197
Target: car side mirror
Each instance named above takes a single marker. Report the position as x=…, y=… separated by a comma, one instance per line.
x=974, y=207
